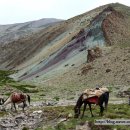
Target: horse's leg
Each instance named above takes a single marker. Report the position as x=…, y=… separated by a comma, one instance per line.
x=24, y=105
x=106, y=99
x=85, y=104
x=11, y=106
x=14, y=106
x=101, y=100
x=101, y=110
x=106, y=104
x=90, y=109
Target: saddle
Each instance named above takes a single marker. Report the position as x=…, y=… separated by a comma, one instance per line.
x=94, y=92
x=93, y=100
x=18, y=97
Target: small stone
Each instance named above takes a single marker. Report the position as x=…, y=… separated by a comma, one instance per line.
x=108, y=70
x=40, y=111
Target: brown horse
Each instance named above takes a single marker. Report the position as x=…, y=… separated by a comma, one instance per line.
x=91, y=100
x=16, y=98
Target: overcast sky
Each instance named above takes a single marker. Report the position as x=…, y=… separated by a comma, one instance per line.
x=17, y=11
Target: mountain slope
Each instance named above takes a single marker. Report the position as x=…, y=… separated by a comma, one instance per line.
x=16, y=31
x=67, y=39
x=16, y=39
x=58, y=53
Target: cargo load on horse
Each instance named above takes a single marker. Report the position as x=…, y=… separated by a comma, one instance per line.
x=94, y=92
x=97, y=96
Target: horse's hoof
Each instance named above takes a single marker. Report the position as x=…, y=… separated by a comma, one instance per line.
x=92, y=115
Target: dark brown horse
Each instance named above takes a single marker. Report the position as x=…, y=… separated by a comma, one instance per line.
x=16, y=98
x=92, y=100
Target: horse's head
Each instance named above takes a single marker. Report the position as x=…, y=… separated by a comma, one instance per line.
x=1, y=101
x=78, y=106
x=76, y=111
x=2, y=107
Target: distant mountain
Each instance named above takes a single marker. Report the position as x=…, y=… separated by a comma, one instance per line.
x=91, y=48
x=16, y=31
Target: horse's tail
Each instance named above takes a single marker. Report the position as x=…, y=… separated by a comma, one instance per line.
x=106, y=99
x=28, y=99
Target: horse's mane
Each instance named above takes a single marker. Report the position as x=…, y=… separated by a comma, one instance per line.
x=80, y=100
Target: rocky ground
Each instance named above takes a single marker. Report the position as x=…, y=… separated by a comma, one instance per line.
x=34, y=116
x=15, y=121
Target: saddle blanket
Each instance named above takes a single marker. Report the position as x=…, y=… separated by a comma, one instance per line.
x=18, y=97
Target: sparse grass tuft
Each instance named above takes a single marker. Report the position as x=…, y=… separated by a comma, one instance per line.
x=4, y=77
x=3, y=113
x=56, y=98
x=25, y=88
x=117, y=111
x=25, y=128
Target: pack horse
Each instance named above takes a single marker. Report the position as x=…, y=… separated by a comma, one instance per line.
x=98, y=96
x=17, y=98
